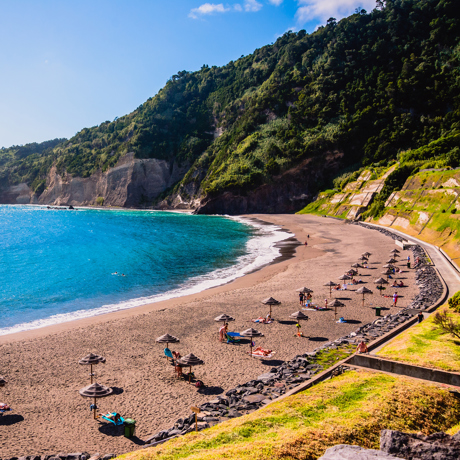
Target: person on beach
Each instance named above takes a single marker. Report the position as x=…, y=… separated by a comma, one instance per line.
x=301, y=297
x=223, y=332
x=395, y=299
x=325, y=304
x=362, y=347
x=408, y=261
x=299, y=332
x=306, y=244
x=420, y=316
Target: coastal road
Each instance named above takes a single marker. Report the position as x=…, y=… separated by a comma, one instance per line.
x=450, y=275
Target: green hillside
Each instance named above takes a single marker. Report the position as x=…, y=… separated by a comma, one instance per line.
x=367, y=87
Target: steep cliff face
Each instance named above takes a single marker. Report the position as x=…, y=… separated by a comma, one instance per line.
x=287, y=193
x=131, y=182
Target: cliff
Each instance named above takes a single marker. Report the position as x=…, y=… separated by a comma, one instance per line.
x=132, y=182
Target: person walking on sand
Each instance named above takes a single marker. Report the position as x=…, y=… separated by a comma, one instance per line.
x=362, y=347
x=301, y=298
x=325, y=304
x=408, y=261
x=420, y=316
x=395, y=299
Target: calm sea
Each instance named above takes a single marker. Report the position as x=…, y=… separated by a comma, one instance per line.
x=59, y=265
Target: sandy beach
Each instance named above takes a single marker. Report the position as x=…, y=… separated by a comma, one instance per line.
x=41, y=366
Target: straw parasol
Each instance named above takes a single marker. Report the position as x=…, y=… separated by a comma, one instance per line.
x=344, y=277
x=380, y=282
x=334, y=304
x=224, y=318
x=394, y=251
x=366, y=254
x=167, y=338
x=353, y=272
x=3, y=382
x=271, y=301
x=305, y=290
x=251, y=333
x=90, y=360
x=388, y=266
x=363, y=259
x=391, y=261
x=299, y=316
x=357, y=266
x=190, y=360
x=387, y=272
x=363, y=290
x=330, y=284
x=95, y=391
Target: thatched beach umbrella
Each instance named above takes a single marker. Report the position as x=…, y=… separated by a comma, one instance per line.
x=391, y=261
x=271, y=301
x=363, y=290
x=380, y=282
x=90, y=360
x=305, y=290
x=330, y=284
x=167, y=339
x=3, y=382
x=95, y=391
x=394, y=251
x=251, y=333
x=389, y=266
x=387, y=272
x=357, y=266
x=344, y=277
x=366, y=254
x=334, y=304
x=190, y=360
x=224, y=318
x=299, y=316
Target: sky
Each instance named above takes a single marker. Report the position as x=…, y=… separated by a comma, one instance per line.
x=66, y=65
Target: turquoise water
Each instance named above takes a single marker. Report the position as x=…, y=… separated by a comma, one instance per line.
x=59, y=265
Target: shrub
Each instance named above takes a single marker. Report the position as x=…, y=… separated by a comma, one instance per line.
x=453, y=210
x=100, y=201
x=454, y=302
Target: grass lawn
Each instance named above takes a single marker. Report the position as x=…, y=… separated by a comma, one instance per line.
x=427, y=346
x=350, y=409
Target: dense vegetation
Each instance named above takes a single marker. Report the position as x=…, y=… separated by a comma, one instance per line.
x=372, y=86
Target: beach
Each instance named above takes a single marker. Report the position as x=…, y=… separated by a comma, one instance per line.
x=43, y=374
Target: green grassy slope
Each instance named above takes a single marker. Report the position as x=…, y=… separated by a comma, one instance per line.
x=350, y=409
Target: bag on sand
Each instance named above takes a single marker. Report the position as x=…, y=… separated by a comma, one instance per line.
x=199, y=384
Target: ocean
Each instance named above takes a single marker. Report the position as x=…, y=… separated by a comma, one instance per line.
x=61, y=265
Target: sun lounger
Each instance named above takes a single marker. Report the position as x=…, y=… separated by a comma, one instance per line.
x=231, y=338
x=110, y=417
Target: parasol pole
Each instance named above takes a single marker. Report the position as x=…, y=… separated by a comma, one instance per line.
x=91, y=373
x=95, y=408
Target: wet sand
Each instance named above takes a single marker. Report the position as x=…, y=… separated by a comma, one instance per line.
x=44, y=377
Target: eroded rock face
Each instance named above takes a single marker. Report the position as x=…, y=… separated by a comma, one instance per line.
x=439, y=446
x=132, y=182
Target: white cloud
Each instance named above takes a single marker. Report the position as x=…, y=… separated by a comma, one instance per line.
x=207, y=8
x=276, y=2
x=252, y=5
x=324, y=9
x=237, y=7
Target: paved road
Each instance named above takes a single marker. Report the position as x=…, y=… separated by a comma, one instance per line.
x=450, y=275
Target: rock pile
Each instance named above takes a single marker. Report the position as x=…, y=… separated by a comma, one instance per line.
x=73, y=456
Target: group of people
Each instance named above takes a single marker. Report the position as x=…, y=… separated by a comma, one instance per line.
x=397, y=284
x=304, y=298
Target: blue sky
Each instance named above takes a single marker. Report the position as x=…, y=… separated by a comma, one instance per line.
x=66, y=65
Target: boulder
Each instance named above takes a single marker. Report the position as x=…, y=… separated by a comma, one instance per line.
x=439, y=446
x=345, y=452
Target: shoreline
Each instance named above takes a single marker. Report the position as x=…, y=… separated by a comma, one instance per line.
x=277, y=250
x=286, y=247
x=41, y=366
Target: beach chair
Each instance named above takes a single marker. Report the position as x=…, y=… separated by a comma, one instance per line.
x=232, y=337
x=112, y=418
x=168, y=354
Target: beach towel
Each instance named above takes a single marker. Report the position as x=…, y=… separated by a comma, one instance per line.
x=260, y=352
x=108, y=416
x=234, y=334
x=341, y=320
